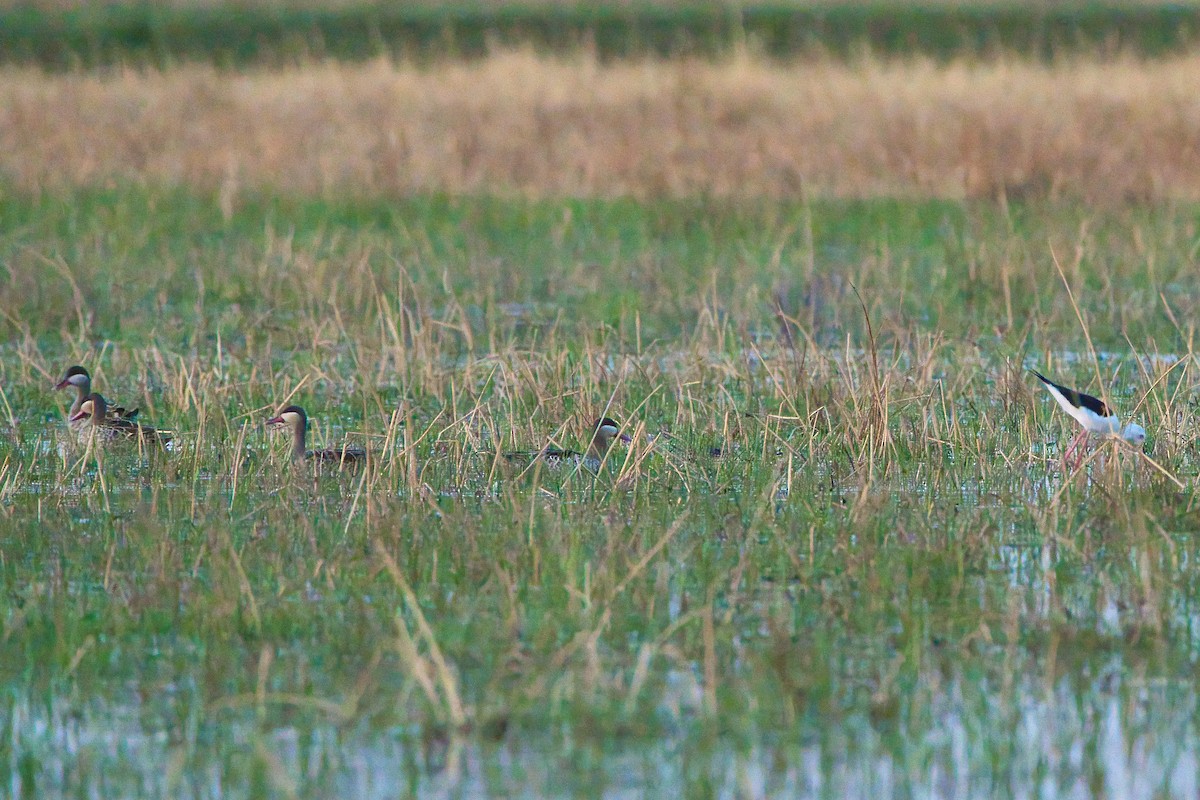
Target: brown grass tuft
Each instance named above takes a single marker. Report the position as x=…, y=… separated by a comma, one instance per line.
x=517, y=122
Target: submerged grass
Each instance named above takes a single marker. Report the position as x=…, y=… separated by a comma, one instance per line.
x=885, y=577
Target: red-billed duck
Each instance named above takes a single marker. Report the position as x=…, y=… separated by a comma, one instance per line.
x=294, y=417
x=603, y=432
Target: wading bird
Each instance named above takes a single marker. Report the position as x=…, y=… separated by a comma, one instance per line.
x=294, y=417
x=603, y=432
x=98, y=420
x=1093, y=414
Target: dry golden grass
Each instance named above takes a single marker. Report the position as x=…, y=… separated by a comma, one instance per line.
x=519, y=122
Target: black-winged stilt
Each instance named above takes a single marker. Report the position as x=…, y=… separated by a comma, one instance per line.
x=1092, y=413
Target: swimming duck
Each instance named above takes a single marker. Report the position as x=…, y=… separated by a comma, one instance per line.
x=603, y=432
x=78, y=378
x=295, y=418
x=98, y=419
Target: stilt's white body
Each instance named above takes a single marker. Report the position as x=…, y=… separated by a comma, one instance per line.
x=1090, y=420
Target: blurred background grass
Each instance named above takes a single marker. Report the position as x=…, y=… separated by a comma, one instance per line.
x=67, y=33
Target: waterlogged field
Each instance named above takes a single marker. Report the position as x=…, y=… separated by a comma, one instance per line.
x=885, y=584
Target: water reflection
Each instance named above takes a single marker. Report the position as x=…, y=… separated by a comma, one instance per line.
x=1108, y=736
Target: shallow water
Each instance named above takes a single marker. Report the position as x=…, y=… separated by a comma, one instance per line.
x=1111, y=734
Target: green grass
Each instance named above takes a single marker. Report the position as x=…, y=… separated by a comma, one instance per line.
x=241, y=34
x=887, y=578
x=167, y=267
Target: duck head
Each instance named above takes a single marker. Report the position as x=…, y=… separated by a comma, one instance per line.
x=604, y=430
x=292, y=416
x=94, y=407
x=76, y=376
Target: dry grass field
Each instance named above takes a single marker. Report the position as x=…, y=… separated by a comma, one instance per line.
x=1114, y=131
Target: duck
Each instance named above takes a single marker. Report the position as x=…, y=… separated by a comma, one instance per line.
x=604, y=431
x=1092, y=414
x=294, y=417
x=80, y=379
x=97, y=419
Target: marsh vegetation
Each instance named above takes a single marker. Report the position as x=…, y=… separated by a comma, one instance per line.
x=885, y=582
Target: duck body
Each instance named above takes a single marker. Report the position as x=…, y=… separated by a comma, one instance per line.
x=95, y=420
x=555, y=458
x=604, y=431
x=80, y=380
x=295, y=418
x=347, y=455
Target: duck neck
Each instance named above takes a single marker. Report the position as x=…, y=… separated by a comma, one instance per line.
x=99, y=412
x=599, y=446
x=81, y=393
x=298, y=452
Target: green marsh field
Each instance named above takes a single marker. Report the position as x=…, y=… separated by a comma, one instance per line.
x=843, y=554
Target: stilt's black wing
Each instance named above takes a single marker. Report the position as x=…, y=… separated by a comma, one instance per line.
x=1077, y=399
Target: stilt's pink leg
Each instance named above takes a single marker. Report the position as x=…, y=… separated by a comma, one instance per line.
x=1080, y=448
x=1075, y=445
